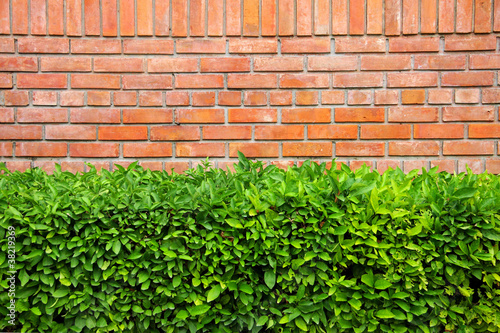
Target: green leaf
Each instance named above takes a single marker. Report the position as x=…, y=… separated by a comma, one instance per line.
x=36, y=311
x=245, y=288
x=415, y=230
x=466, y=192
x=199, y=309
x=143, y=276
x=491, y=234
x=355, y=303
x=183, y=314
x=367, y=279
x=262, y=320
x=214, y=293
x=382, y=284
x=270, y=279
x=301, y=324
x=340, y=230
x=384, y=314
x=61, y=292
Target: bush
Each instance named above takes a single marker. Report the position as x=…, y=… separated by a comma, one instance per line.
x=260, y=249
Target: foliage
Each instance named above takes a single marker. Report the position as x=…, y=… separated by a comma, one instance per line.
x=258, y=249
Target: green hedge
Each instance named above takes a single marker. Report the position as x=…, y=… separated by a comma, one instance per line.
x=258, y=249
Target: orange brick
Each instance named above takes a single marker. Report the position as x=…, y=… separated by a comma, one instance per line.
x=18, y=64
x=304, y=18
x=414, y=44
x=339, y=17
x=481, y=131
x=152, y=165
x=493, y=165
x=147, y=149
x=281, y=64
x=268, y=18
x=6, y=115
x=482, y=16
x=250, y=17
x=41, y=81
x=321, y=17
x=162, y=18
x=94, y=149
x=17, y=132
x=467, y=96
x=484, y=61
x=251, y=81
x=385, y=63
x=227, y=132
x=393, y=17
x=225, y=65
x=204, y=149
x=357, y=17
x=358, y=80
x=97, y=46
x=147, y=81
x=415, y=165
x=468, y=113
x=66, y=64
x=70, y=132
x=354, y=165
x=145, y=116
x=414, y=148
x=413, y=114
x=332, y=64
x=446, y=16
x=440, y=62
x=31, y=115
x=5, y=81
x=252, y=115
x=374, y=17
x=199, y=116
x=179, y=18
x=230, y=98
x=359, y=44
x=177, y=167
x=100, y=98
x=286, y=23
x=5, y=18
x=7, y=45
x=199, y=81
x=254, y=149
x=413, y=96
x=255, y=98
x=371, y=132
x=95, y=116
x=74, y=17
x=304, y=81
x=279, y=132
x=410, y=17
x=175, y=133
x=359, y=97
x=475, y=165
x=306, y=115
x=150, y=98
x=386, y=97
x=177, y=98
x=491, y=95
x=19, y=98
x=444, y=165
x=6, y=148
x=356, y=115
x=464, y=16
x=440, y=96
x=280, y=97
x=438, y=131
x=123, y=133
x=333, y=97
x=306, y=98
x=412, y=79
x=44, y=98
x=283, y=164
x=305, y=45
x=148, y=46
x=253, y=46
x=145, y=18
x=118, y=65
x=41, y=149
x=470, y=43
x=95, y=81
x=109, y=19
x=453, y=79
x=359, y=149
x=428, y=16
x=233, y=17
x=215, y=17
x=384, y=165
x=468, y=148
x=332, y=132
x=19, y=17
x=203, y=98
x=201, y=46
x=307, y=149
x=92, y=17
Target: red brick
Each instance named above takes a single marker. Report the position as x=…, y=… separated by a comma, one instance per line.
x=358, y=80
x=339, y=17
x=359, y=149
x=148, y=46
x=307, y=149
x=429, y=79
x=98, y=98
x=66, y=64
x=357, y=17
x=359, y=97
x=444, y=165
x=491, y=95
x=20, y=166
x=162, y=18
x=354, y=165
x=17, y=132
x=227, y=132
x=20, y=98
x=414, y=44
x=413, y=114
x=446, y=16
x=484, y=61
x=332, y=132
x=94, y=149
x=145, y=18
x=468, y=148
x=97, y=46
x=415, y=165
x=493, y=165
x=440, y=96
x=414, y=148
x=467, y=79
x=356, y=115
x=55, y=17
x=304, y=18
x=252, y=115
x=286, y=23
x=385, y=63
x=428, y=16
x=482, y=16
x=145, y=116
x=304, y=81
x=413, y=96
x=152, y=165
x=123, y=133
x=41, y=149
x=199, y=81
x=92, y=17
x=72, y=98
x=464, y=16
x=481, y=131
x=25, y=115
x=410, y=17
x=384, y=165
x=203, y=149
x=7, y=45
x=122, y=98
x=278, y=64
x=147, y=149
x=438, y=131
x=19, y=17
x=6, y=115
x=254, y=149
x=392, y=17
x=371, y=132
x=251, y=81
x=95, y=81
x=4, y=18
x=147, y=82
x=280, y=97
x=305, y=45
x=109, y=19
x=440, y=62
x=177, y=167
x=201, y=46
x=95, y=116
x=332, y=64
x=177, y=98
x=359, y=44
x=231, y=98
x=470, y=43
x=118, y=65
x=70, y=132
x=250, y=17
x=253, y=46
x=306, y=115
x=18, y=64
x=386, y=97
x=468, y=113
x=179, y=18
x=306, y=98
x=44, y=97
x=150, y=98
x=225, y=64
x=5, y=80
x=203, y=98
x=167, y=65
x=175, y=133
x=74, y=17
x=283, y=164
x=333, y=97
x=41, y=81
x=268, y=18
x=279, y=132
x=255, y=98
x=6, y=148
x=207, y=116
x=496, y=14
x=215, y=18
x=467, y=96
x=476, y=165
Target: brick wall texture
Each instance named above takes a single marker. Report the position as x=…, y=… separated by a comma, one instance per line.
x=168, y=82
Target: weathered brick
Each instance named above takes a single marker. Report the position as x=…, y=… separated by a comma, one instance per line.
x=147, y=116
x=252, y=115
x=358, y=115
x=468, y=113
x=468, y=148
x=359, y=149
x=254, y=149
x=438, y=131
x=199, y=116
x=306, y=115
x=279, y=132
x=175, y=133
x=332, y=132
x=414, y=148
x=307, y=149
x=147, y=149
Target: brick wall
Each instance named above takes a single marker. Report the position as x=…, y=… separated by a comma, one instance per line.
x=389, y=83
